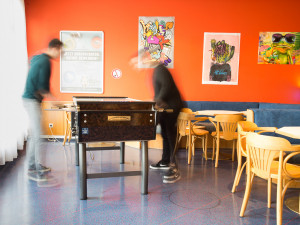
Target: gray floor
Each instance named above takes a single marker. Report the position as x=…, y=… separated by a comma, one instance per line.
x=202, y=196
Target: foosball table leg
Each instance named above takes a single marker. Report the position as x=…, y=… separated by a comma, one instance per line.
x=122, y=152
x=76, y=153
x=145, y=168
x=82, y=171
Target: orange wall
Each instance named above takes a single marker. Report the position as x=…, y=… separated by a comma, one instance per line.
x=119, y=21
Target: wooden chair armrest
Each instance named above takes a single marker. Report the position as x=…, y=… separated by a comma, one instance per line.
x=284, y=167
x=213, y=121
x=242, y=149
x=295, y=147
x=199, y=119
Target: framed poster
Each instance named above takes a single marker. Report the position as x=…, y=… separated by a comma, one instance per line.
x=81, y=62
x=221, y=53
x=279, y=48
x=156, y=37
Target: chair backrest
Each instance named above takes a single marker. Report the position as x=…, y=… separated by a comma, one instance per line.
x=243, y=127
x=246, y=126
x=183, y=121
x=262, y=150
x=228, y=123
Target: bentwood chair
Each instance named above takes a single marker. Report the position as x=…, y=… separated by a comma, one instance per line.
x=195, y=124
x=246, y=126
x=226, y=127
x=68, y=130
x=185, y=128
x=261, y=152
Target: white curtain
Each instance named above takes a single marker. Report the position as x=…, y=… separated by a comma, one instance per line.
x=13, y=72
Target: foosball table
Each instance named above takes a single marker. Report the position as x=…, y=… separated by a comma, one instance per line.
x=117, y=119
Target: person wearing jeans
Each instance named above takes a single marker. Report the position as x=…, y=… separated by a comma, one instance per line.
x=36, y=89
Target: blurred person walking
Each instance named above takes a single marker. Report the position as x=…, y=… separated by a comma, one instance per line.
x=166, y=96
x=37, y=88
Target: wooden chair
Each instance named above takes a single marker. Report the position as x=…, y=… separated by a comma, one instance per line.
x=261, y=152
x=68, y=130
x=185, y=128
x=226, y=126
x=245, y=126
x=195, y=125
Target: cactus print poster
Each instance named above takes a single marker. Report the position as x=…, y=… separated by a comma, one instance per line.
x=279, y=48
x=156, y=37
x=221, y=53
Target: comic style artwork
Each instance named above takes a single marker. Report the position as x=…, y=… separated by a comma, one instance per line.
x=279, y=48
x=221, y=53
x=156, y=37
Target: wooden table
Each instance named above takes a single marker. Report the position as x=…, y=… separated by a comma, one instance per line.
x=293, y=132
x=293, y=203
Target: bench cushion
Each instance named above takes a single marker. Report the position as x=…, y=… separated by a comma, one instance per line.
x=217, y=105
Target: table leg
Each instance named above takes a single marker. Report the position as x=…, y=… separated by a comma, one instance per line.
x=145, y=168
x=82, y=171
x=76, y=153
x=122, y=152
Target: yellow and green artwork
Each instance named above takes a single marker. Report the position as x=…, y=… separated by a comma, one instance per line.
x=279, y=48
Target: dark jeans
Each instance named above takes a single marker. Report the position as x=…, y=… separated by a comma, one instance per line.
x=168, y=131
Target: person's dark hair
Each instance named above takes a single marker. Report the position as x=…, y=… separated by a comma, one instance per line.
x=55, y=43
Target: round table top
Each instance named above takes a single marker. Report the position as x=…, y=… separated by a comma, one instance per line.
x=293, y=132
x=215, y=112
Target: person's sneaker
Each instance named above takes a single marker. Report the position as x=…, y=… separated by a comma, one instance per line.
x=160, y=166
x=170, y=173
x=39, y=177
x=48, y=183
x=41, y=169
x=172, y=180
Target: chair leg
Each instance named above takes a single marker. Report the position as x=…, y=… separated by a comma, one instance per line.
x=70, y=134
x=243, y=167
x=279, y=199
x=217, y=152
x=187, y=142
x=206, y=147
x=213, y=151
x=203, y=145
x=193, y=144
x=66, y=136
x=246, y=195
x=238, y=173
x=233, y=150
x=189, y=150
x=269, y=192
x=279, y=202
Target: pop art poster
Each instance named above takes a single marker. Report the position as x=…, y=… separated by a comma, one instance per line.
x=221, y=53
x=279, y=48
x=156, y=37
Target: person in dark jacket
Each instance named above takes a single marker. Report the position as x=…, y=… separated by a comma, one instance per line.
x=37, y=88
x=166, y=96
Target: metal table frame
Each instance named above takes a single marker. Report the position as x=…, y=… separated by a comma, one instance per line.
x=80, y=156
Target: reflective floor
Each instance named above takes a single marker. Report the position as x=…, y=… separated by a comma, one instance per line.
x=202, y=196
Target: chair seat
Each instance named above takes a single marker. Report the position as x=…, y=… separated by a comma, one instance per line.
x=214, y=134
x=197, y=132
x=291, y=168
